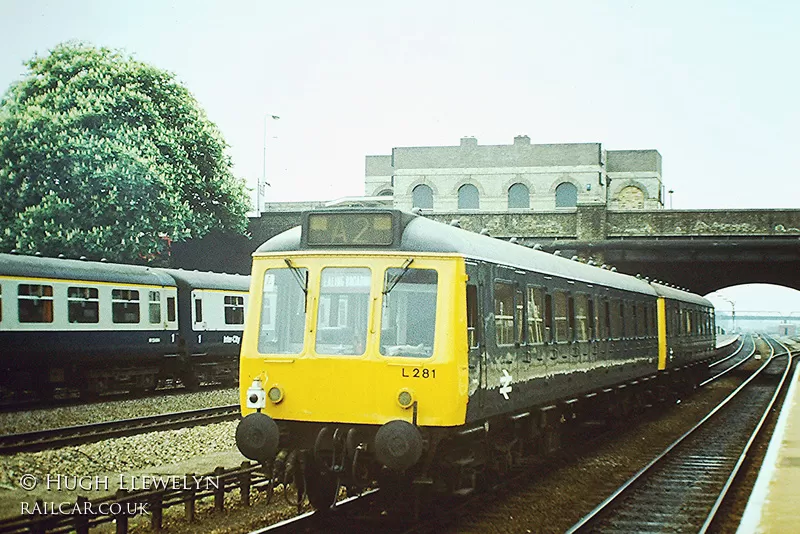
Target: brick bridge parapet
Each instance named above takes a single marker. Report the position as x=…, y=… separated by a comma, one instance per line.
x=592, y=223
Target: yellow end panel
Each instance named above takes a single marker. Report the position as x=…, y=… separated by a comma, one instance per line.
x=662, y=334
x=364, y=388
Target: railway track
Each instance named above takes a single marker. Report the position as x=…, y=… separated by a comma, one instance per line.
x=76, y=435
x=73, y=398
x=683, y=487
x=362, y=513
x=743, y=353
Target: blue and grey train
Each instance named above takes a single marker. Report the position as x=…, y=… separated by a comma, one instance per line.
x=100, y=327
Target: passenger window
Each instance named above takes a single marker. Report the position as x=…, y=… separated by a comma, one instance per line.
x=198, y=310
x=1, y=303
x=155, y=306
x=535, y=313
x=473, y=332
x=83, y=305
x=504, y=313
x=548, y=318
x=571, y=318
x=35, y=303
x=560, y=312
x=125, y=306
x=234, y=309
x=170, y=309
x=627, y=319
x=603, y=325
x=583, y=317
x=408, y=321
x=616, y=318
x=519, y=320
x=591, y=320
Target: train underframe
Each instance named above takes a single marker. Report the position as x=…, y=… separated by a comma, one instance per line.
x=133, y=375
x=321, y=458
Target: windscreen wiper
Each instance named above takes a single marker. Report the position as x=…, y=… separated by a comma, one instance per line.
x=298, y=276
x=396, y=279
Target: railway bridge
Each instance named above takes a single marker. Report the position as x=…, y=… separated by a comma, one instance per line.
x=702, y=250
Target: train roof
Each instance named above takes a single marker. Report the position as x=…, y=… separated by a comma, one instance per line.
x=419, y=234
x=210, y=280
x=95, y=271
x=677, y=294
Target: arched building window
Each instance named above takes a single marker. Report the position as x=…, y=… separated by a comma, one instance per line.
x=631, y=198
x=519, y=196
x=385, y=193
x=422, y=197
x=468, y=197
x=566, y=195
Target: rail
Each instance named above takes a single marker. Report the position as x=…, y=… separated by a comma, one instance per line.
x=75, y=435
x=704, y=456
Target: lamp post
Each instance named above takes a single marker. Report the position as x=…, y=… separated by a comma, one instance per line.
x=262, y=182
x=670, y=197
x=733, y=311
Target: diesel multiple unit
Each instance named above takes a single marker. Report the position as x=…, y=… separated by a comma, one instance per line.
x=383, y=346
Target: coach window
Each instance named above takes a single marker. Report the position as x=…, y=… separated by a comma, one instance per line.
x=519, y=317
x=653, y=322
x=198, y=309
x=170, y=309
x=283, y=311
x=234, y=309
x=343, y=311
x=1, y=302
x=615, y=318
x=591, y=320
x=582, y=317
x=548, y=318
x=35, y=303
x=408, y=321
x=560, y=313
x=125, y=306
x=641, y=320
x=82, y=305
x=571, y=333
x=473, y=332
x=154, y=299
x=504, y=313
x=627, y=319
x=603, y=327
x=535, y=305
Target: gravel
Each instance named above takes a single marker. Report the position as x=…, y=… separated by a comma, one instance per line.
x=81, y=414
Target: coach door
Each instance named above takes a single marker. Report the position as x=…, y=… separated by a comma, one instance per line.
x=476, y=311
x=199, y=319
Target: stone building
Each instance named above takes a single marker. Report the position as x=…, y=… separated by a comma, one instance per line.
x=517, y=177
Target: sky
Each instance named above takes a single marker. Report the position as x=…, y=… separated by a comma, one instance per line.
x=711, y=85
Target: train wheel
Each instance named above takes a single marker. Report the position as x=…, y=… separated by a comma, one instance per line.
x=321, y=486
x=190, y=381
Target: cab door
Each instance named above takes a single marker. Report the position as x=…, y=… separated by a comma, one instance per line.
x=476, y=311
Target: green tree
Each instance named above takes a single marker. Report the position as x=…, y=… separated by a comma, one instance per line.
x=105, y=156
